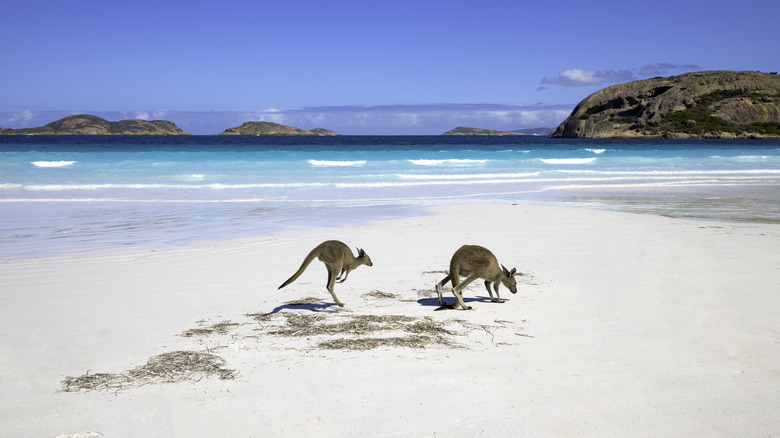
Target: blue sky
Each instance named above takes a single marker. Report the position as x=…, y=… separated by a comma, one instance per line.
x=359, y=67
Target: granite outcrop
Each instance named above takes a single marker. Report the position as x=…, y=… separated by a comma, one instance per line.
x=707, y=104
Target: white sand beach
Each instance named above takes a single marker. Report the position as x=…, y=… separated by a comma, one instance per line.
x=623, y=325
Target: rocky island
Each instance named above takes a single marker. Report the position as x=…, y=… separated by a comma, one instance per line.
x=461, y=130
x=93, y=125
x=707, y=104
x=483, y=131
x=269, y=128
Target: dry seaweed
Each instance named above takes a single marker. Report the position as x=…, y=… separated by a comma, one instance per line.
x=427, y=326
x=260, y=317
x=177, y=366
x=371, y=343
x=356, y=331
x=217, y=329
x=99, y=381
x=309, y=325
x=329, y=332
x=377, y=294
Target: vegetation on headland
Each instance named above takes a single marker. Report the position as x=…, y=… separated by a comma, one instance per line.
x=701, y=119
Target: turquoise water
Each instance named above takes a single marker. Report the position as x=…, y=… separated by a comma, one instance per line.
x=65, y=194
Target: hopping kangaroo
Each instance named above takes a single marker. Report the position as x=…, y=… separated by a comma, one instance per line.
x=473, y=262
x=338, y=259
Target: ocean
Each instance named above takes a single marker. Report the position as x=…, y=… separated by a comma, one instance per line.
x=68, y=194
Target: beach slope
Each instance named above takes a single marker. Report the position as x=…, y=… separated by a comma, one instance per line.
x=623, y=325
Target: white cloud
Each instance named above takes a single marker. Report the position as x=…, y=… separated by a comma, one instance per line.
x=272, y=115
x=23, y=118
x=575, y=77
x=663, y=69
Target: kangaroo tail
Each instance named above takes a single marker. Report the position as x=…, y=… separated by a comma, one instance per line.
x=309, y=258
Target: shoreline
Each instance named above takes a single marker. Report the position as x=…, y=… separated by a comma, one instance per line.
x=83, y=226
x=623, y=324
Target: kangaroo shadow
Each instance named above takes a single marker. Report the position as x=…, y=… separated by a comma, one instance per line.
x=434, y=301
x=312, y=307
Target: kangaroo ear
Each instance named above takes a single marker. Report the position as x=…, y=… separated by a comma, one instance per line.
x=512, y=272
x=361, y=253
x=506, y=271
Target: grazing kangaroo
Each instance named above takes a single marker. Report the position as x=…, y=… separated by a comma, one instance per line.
x=338, y=259
x=473, y=262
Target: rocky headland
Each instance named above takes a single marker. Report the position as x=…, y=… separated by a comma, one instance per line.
x=269, y=128
x=92, y=125
x=706, y=104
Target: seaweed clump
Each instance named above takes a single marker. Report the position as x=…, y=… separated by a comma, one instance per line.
x=176, y=366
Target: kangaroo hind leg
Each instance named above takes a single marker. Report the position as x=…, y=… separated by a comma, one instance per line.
x=458, y=291
x=440, y=287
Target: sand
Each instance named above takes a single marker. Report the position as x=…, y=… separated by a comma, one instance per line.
x=623, y=325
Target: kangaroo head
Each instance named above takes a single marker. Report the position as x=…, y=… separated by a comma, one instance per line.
x=508, y=279
x=366, y=259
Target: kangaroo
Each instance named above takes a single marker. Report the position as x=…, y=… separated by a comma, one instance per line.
x=338, y=260
x=475, y=262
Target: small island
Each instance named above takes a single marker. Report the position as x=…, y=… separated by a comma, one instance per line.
x=483, y=131
x=461, y=130
x=92, y=125
x=707, y=104
x=269, y=128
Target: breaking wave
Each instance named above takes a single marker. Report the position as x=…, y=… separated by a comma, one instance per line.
x=568, y=160
x=445, y=162
x=52, y=163
x=329, y=163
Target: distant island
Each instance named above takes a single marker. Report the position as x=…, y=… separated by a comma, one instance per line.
x=92, y=125
x=707, y=104
x=461, y=130
x=269, y=128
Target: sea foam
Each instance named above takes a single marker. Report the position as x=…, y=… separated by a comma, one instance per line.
x=466, y=176
x=52, y=163
x=452, y=161
x=568, y=160
x=330, y=163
